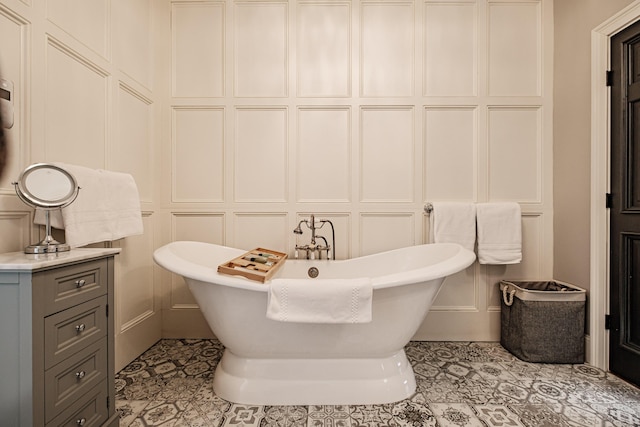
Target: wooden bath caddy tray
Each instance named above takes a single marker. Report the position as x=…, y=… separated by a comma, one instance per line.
x=258, y=264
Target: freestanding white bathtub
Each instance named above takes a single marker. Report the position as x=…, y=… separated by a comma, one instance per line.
x=268, y=362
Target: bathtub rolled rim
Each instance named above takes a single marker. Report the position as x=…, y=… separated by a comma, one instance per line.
x=169, y=257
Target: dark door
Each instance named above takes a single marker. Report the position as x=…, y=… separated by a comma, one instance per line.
x=624, y=345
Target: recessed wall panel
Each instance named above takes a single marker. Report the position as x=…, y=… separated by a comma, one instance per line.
x=87, y=21
x=323, y=49
x=264, y=230
x=450, y=153
x=381, y=232
x=261, y=155
x=198, y=155
x=387, y=48
x=533, y=254
x=14, y=229
x=387, y=154
x=261, y=38
x=199, y=227
x=134, y=138
x=324, y=155
x=75, y=109
x=450, y=49
x=136, y=267
x=458, y=292
x=133, y=45
x=198, y=39
x=515, y=154
x=515, y=43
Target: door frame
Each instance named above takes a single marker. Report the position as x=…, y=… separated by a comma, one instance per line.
x=598, y=340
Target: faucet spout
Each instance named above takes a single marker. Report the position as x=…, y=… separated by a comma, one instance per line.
x=313, y=229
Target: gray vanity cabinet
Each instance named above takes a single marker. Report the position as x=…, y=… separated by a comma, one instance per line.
x=57, y=339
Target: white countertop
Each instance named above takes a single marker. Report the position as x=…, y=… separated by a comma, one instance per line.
x=22, y=261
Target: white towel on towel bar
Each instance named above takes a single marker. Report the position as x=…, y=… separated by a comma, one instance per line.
x=107, y=207
x=499, y=233
x=320, y=300
x=453, y=222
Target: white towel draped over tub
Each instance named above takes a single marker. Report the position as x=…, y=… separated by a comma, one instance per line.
x=320, y=300
x=107, y=208
x=453, y=222
x=499, y=233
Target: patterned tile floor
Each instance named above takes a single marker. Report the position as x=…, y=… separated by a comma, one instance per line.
x=459, y=384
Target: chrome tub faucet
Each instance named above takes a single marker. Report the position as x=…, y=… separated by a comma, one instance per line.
x=313, y=248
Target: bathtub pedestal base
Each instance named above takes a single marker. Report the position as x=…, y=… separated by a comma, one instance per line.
x=355, y=381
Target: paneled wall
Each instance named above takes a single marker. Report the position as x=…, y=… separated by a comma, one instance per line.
x=359, y=112
x=86, y=92
x=239, y=118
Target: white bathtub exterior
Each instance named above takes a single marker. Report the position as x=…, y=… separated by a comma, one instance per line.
x=280, y=363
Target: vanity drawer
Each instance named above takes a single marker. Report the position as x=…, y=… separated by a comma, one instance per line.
x=67, y=286
x=71, y=330
x=90, y=411
x=70, y=380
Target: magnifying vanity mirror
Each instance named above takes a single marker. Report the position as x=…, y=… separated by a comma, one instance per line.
x=47, y=187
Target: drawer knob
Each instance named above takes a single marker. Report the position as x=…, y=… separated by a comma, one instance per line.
x=80, y=375
x=81, y=421
x=80, y=328
x=80, y=283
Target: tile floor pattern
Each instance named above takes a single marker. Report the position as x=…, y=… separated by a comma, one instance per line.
x=459, y=385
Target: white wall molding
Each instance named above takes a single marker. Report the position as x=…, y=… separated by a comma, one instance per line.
x=598, y=350
x=334, y=108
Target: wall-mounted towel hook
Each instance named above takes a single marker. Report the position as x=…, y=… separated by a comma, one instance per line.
x=428, y=208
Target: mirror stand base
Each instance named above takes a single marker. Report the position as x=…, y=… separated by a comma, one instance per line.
x=47, y=246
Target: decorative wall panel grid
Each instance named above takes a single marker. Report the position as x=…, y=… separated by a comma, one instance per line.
x=85, y=94
x=361, y=112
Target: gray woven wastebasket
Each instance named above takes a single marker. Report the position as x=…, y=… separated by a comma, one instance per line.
x=543, y=321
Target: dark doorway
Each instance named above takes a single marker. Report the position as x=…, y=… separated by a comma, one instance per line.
x=624, y=338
